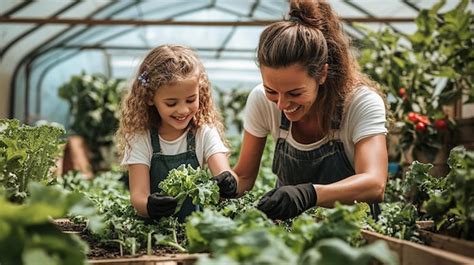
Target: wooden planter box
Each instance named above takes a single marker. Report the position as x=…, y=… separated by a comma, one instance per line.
x=410, y=253
x=66, y=226
x=448, y=243
x=451, y=244
x=172, y=259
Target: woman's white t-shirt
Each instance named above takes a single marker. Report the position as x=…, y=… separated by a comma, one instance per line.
x=208, y=142
x=364, y=117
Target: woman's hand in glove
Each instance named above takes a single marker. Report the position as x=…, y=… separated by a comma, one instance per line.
x=288, y=201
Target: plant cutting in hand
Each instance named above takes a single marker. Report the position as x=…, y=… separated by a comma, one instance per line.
x=186, y=181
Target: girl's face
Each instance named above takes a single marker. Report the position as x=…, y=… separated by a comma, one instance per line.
x=177, y=103
x=291, y=89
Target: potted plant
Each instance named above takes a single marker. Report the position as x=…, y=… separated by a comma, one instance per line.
x=94, y=103
x=423, y=75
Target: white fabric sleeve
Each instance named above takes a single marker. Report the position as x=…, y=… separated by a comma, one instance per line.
x=367, y=115
x=211, y=142
x=140, y=151
x=257, y=116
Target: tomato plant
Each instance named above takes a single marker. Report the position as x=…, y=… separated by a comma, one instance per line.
x=423, y=72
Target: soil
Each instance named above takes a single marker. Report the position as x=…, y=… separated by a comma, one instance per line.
x=67, y=226
x=104, y=252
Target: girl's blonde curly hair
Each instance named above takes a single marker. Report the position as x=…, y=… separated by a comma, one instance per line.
x=164, y=65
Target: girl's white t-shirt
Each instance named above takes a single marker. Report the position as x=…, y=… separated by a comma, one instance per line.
x=208, y=142
x=364, y=116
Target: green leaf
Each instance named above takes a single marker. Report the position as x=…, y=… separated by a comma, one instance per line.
x=185, y=181
x=336, y=251
x=39, y=256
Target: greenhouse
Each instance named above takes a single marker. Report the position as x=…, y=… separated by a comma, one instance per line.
x=237, y=132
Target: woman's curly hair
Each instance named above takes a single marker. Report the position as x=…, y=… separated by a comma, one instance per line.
x=164, y=65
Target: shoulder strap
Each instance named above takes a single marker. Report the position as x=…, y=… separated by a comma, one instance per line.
x=284, y=122
x=155, y=141
x=191, y=140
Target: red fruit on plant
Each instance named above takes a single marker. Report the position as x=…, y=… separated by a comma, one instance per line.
x=402, y=91
x=413, y=117
x=441, y=124
x=420, y=126
x=424, y=119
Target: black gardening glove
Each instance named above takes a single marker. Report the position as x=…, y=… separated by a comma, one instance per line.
x=288, y=201
x=160, y=206
x=227, y=185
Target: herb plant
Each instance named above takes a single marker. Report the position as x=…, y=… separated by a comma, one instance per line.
x=28, y=236
x=186, y=181
x=453, y=208
x=26, y=154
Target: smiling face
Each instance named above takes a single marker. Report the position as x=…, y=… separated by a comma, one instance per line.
x=177, y=103
x=291, y=89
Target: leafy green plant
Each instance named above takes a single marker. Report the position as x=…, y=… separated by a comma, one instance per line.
x=393, y=190
x=225, y=233
x=251, y=238
x=419, y=185
x=203, y=227
x=94, y=103
x=336, y=251
x=255, y=246
x=405, y=199
x=28, y=236
x=342, y=221
x=124, y=229
x=186, y=181
x=453, y=208
x=26, y=154
x=398, y=219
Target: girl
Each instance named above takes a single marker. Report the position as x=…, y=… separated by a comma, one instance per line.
x=328, y=118
x=169, y=119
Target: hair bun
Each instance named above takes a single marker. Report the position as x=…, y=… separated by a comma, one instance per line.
x=306, y=13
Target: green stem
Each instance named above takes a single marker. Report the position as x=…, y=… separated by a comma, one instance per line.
x=177, y=246
x=120, y=242
x=175, y=243
x=175, y=238
x=148, y=245
x=181, y=197
x=133, y=246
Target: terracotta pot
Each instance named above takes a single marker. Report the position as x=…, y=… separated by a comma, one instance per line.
x=76, y=157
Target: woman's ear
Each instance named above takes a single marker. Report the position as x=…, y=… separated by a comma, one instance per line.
x=324, y=74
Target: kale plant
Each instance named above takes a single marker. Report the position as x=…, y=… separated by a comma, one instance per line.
x=186, y=181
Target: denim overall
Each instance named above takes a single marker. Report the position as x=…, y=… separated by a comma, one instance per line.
x=323, y=165
x=162, y=164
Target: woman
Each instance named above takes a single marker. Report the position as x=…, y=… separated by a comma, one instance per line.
x=327, y=117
